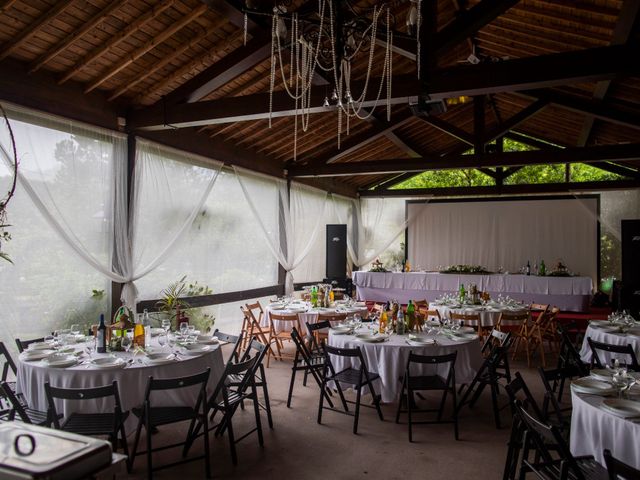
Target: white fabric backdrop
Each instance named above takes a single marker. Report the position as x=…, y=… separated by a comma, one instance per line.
x=506, y=234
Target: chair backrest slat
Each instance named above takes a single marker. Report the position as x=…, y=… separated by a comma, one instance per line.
x=24, y=344
x=607, y=347
x=8, y=362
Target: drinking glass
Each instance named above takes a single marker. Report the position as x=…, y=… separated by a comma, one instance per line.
x=184, y=328
x=49, y=339
x=171, y=341
x=162, y=340
x=166, y=324
x=126, y=342
x=90, y=347
x=75, y=329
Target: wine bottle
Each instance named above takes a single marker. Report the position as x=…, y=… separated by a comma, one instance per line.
x=101, y=336
x=528, y=268
x=400, y=323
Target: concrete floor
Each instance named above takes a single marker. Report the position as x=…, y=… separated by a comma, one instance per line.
x=298, y=447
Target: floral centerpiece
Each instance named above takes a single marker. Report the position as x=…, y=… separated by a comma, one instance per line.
x=377, y=266
x=560, y=270
x=465, y=269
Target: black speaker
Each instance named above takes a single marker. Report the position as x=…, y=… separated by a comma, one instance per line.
x=631, y=265
x=336, y=251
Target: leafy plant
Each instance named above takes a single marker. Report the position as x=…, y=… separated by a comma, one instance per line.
x=172, y=297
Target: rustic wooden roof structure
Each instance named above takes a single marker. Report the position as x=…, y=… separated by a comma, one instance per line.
x=178, y=72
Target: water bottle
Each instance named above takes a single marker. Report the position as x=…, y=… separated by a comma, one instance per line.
x=146, y=323
x=400, y=323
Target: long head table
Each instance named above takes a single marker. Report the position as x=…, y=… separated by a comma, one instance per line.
x=566, y=293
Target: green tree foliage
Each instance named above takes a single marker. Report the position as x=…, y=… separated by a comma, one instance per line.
x=525, y=175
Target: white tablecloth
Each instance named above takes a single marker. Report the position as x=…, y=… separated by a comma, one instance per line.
x=310, y=316
x=132, y=382
x=389, y=360
x=594, y=429
x=489, y=316
x=607, y=337
x=567, y=293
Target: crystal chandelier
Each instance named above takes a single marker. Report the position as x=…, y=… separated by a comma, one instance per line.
x=327, y=42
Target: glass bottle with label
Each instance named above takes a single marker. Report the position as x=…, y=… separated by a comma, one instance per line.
x=146, y=323
x=101, y=336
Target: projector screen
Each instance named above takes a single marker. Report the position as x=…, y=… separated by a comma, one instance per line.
x=505, y=233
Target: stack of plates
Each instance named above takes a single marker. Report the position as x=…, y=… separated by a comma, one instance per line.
x=622, y=407
x=60, y=360
x=35, y=354
x=420, y=340
x=592, y=386
x=195, y=349
x=371, y=337
x=107, y=362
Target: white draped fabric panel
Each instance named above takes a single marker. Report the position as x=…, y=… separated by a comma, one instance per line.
x=506, y=234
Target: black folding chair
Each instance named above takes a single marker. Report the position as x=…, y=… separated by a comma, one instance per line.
x=24, y=344
x=499, y=339
x=552, y=411
x=8, y=364
x=618, y=349
x=618, y=469
x=568, y=357
x=419, y=383
x=307, y=362
x=110, y=424
x=488, y=375
x=150, y=417
x=358, y=378
x=236, y=340
x=21, y=412
x=542, y=439
x=228, y=396
x=260, y=379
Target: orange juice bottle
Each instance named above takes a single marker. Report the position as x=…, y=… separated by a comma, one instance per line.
x=383, y=321
x=138, y=334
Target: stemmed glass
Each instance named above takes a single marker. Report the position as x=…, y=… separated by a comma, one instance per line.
x=184, y=328
x=90, y=346
x=75, y=329
x=166, y=324
x=162, y=340
x=126, y=342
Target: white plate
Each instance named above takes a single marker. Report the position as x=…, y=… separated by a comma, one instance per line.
x=360, y=305
x=107, y=362
x=595, y=323
x=341, y=330
x=156, y=331
x=420, y=340
x=196, y=349
x=159, y=358
x=57, y=360
x=38, y=346
x=467, y=330
x=297, y=309
x=464, y=336
x=622, y=407
x=592, y=386
x=207, y=340
x=371, y=338
x=605, y=374
x=38, y=354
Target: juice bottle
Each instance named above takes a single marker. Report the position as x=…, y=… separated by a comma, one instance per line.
x=383, y=322
x=138, y=334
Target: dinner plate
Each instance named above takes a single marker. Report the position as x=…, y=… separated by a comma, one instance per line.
x=592, y=386
x=107, y=362
x=57, y=360
x=360, y=304
x=464, y=336
x=195, y=349
x=607, y=328
x=341, y=330
x=622, y=407
x=207, y=340
x=595, y=323
x=159, y=358
x=371, y=338
x=28, y=356
x=156, y=331
x=419, y=340
x=605, y=374
x=467, y=330
x=297, y=309
x=39, y=346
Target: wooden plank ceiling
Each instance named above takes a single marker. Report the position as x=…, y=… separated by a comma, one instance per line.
x=156, y=61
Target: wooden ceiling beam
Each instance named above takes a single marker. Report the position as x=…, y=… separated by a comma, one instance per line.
x=6, y=5
x=116, y=39
x=515, y=120
x=70, y=39
x=597, y=153
x=33, y=28
x=448, y=128
x=505, y=76
x=521, y=189
x=148, y=46
x=597, y=109
x=621, y=34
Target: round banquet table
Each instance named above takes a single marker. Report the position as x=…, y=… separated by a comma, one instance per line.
x=307, y=315
x=132, y=381
x=594, y=429
x=632, y=337
x=389, y=359
x=489, y=315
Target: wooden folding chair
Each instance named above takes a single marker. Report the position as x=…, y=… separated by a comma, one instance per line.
x=277, y=337
x=470, y=318
x=525, y=334
x=543, y=329
x=253, y=315
x=331, y=318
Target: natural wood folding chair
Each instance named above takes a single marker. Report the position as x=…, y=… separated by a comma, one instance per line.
x=278, y=337
x=470, y=317
x=254, y=315
x=332, y=318
x=524, y=334
x=541, y=330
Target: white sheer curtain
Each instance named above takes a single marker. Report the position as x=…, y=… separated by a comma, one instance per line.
x=63, y=158
x=374, y=225
x=170, y=189
x=300, y=216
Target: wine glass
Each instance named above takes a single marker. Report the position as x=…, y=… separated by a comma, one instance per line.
x=126, y=342
x=166, y=324
x=162, y=340
x=75, y=329
x=49, y=339
x=184, y=328
x=90, y=347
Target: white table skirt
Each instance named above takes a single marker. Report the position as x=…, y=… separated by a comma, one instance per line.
x=594, y=429
x=567, y=293
x=607, y=337
x=310, y=316
x=389, y=360
x=132, y=382
x=489, y=316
